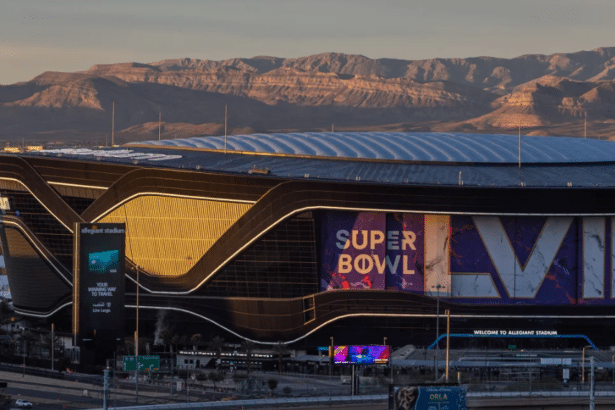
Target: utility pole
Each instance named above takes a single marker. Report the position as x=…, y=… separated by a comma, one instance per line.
x=225, y=125
x=159, y=120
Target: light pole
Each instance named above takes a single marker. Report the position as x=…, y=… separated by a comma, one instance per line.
x=23, y=351
x=583, y=366
x=331, y=354
x=137, y=343
x=390, y=362
x=53, y=346
x=438, y=287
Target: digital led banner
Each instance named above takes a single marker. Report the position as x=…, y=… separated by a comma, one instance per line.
x=412, y=397
x=99, y=281
x=372, y=354
x=367, y=250
x=473, y=259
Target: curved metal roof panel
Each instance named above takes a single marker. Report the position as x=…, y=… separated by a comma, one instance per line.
x=406, y=146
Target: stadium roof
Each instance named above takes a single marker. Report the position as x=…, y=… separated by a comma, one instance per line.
x=381, y=157
x=405, y=146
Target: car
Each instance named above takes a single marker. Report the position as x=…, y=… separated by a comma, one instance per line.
x=23, y=404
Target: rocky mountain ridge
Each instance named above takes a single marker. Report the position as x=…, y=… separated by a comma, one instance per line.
x=544, y=94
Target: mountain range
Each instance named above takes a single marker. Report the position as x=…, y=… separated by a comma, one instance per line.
x=541, y=94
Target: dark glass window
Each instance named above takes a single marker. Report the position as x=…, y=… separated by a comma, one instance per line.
x=78, y=204
x=281, y=264
x=47, y=228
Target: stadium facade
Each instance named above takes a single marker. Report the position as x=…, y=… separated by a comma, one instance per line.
x=283, y=237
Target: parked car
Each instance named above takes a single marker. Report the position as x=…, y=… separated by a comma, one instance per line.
x=23, y=404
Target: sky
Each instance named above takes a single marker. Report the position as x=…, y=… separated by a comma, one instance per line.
x=73, y=35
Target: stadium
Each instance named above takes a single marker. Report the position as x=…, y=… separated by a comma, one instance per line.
x=296, y=237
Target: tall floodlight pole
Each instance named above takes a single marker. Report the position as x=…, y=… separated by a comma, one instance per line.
x=519, y=144
x=113, y=124
x=137, y=343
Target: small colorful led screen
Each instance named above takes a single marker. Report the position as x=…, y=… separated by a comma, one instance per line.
x=361, y=354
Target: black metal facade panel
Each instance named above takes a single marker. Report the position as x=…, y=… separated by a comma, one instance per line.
x=283, y=263
x=274, y=320
x=34, y=284
x=16, y=168
x=47, y=229
x=78, y=172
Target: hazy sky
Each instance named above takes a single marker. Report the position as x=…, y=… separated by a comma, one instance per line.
x=73, y=35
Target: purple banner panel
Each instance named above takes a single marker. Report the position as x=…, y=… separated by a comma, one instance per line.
x=353, y=251
x=405, y=252
x=529, y=260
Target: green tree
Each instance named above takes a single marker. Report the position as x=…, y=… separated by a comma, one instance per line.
x=183, y=340
x=280, y=350
x=175, y=340
x=216, y=377
x=196, y=340
x=47, y=344
x=129, y=345
x=216, y=344
x=248, y=348
x=272, y=384
x=165, y=337
x=29, y=339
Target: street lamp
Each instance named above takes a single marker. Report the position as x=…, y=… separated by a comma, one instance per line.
x=437, y=287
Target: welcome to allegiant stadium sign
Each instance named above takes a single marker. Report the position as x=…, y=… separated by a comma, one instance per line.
x=515, y=332
x=121, y=153
x=478, y=259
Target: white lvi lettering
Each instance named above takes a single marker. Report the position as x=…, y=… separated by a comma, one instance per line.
x=522, y=281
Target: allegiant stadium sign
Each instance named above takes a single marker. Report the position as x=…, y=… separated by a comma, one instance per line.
x=121, y=153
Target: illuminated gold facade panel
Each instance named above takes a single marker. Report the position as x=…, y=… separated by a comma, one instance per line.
x=166, y=236
x=12, y=185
